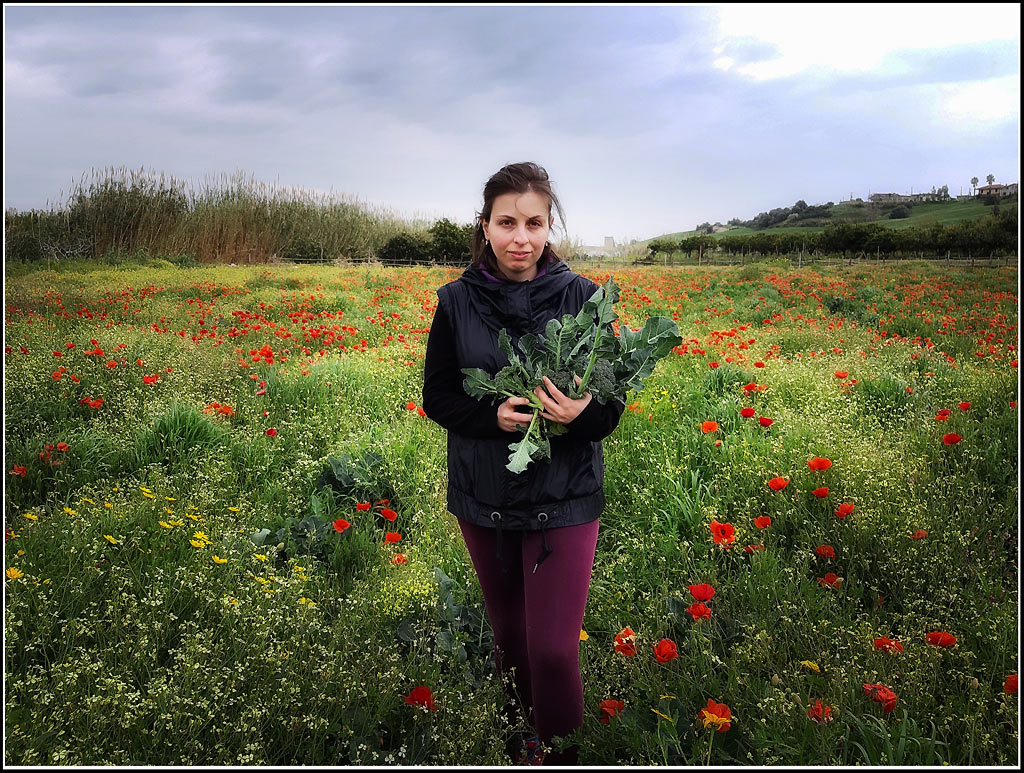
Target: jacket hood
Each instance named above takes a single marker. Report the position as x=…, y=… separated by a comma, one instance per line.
x=524, y=306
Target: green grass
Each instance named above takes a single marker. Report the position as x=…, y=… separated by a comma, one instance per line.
x=298, y=643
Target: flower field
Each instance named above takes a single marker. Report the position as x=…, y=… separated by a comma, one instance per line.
x=226, y=539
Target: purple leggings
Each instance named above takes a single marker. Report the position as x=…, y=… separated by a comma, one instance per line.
x=537, y=617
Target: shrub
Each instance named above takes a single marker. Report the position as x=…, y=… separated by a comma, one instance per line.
x=405, y=248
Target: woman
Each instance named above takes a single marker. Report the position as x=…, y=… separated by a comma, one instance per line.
x=531, y=536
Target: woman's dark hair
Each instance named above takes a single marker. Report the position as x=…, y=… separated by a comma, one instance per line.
x=513, y=178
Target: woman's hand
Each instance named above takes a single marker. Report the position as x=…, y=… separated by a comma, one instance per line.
x=509, y=419
x=559, y=407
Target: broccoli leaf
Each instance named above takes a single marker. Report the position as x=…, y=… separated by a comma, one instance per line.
x=583, y=344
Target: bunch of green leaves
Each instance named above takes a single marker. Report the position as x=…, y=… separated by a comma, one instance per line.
x=579, y=353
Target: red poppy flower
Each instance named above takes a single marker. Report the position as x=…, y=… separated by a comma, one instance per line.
x=399, y=558
x=18, y=470
x=844, y=510
x=421, y=412
x=765, y=421
x=919, y=534
x=1010, y=685
x=747, y=413
x=763, y=521
x=62, y=446
x=825, y=551
x=389, y=514
x=699, y=611
x=722, y=533
x=951, y=439
x=340, y=525
x=96, y=404
x=56, y=375
x=940, y=639
x=819, y=463
x=884, y=643
x=384, y=502
x=611, y=708
x=111, y=364
x=881, y=694
x=702, y=592
x=392, y=537
x=625, y=642
x=820, y=713
x=758, y=364
x=716, y=715
x=271, y=432
x=709, y=426
x=753, y=548
x=830, y=579
x=777, y=484
x=910, y=390
x=712, y=365
x=363, y=506
x=665, y=650
x=842, y=373
x=964, y=406
x=421, y=696
x=821, y=492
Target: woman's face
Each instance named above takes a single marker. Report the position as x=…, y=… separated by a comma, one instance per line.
x=518, y=230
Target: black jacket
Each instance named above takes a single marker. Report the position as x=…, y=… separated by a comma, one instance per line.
x=564, y=491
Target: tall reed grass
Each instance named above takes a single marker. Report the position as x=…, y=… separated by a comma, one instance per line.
x=222, y=219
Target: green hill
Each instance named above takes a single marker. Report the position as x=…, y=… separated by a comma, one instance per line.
x=921, y=216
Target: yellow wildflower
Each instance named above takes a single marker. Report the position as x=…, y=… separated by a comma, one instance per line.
x=108, y=505
x=811, y=665
x=86, y=499
x=200, y=536
x=32, y=517
x=147, y=495
x=170, y=499
x=193, y=516
x=299, y=568
x=176, y=523
x=142, y=488
x=218, y=560
x=197, y=543
x=233, y=509
x=583, y=635
x=69, y=511
x=166, y=525
x=663, y=716
x=110, y=539
x=261, y=557
x=304, y=600
x=14, y=573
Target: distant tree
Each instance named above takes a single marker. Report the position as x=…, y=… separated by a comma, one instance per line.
x=800, y=205
x=451, y=244
x=974, y=184
x=990, y=179
x=405, y=248
x=944, y=193
x=899, y=212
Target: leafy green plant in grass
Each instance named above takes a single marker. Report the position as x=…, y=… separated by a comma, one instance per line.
x=175, y=434
x=873, y=740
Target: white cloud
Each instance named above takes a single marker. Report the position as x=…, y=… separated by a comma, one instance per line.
x=854, y=38
x=984, y=102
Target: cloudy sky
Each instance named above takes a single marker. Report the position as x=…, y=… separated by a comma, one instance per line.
x=649, y=119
